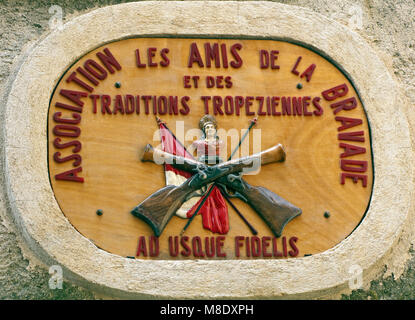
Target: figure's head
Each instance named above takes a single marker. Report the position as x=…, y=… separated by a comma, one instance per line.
x=208, y=125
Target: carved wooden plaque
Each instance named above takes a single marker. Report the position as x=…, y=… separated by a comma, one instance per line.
x=120, y=97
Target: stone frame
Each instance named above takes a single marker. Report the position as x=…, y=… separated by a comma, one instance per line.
x=55, y=241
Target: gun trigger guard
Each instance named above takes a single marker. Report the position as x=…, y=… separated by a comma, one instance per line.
x=232, y=177
x=235, y=194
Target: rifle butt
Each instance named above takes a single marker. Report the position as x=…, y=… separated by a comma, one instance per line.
x=159, y=208
x=273, y=209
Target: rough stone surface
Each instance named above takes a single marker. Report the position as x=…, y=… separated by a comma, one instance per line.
x=385, y=25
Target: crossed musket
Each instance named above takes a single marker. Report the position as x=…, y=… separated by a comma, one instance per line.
x=158, y=208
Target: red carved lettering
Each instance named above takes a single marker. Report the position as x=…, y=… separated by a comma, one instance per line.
x=210, y=246
x=142, y=247
x=129, y=104
x=355, y=177
x=217, y=105
x=274, y=105
x=335, y=92
x=77, y=145
x=224, y=55
x=306, y=103
x=71, y=131
x=91, y=79
x=187, y=251
x=173, y=105
x=210, y=82
x=76, y=157
x=174, y=247
x=228, y=104
x=228, y=82
x=70, y=175
x=219, y=80
x=105, y=104
x=185, y=107
x=146, y=100
x=186, y=82
x=95, y=69
x=68, y=107
x=154, y=246
x=261, y=104
x=275, y=251
x=239, y=103
x=256, y=246
x=206, y=103
x=316, y=104
x=353, y=165
x=94, y=98
x=74, y=96
x=351, y=150
x=248, y=104
x=108, y=60
x=212, y=53
x=263, y=59
x=165, y=60
x=238, y=60
x=118, y=104
x=347, y=123
x=219, y=246
x=286, y=105
x=194, y=56
x=238, y=245
x=284, y=246
x=352, y=136
x=294, y=69
x=308, y=72
x=346, y=104
x=162, y=105
x=138, y=59
x=248, y=247
x=197, y=247
x=297, y=106
x=273, y=58
x=76, y=118
x=265, y=245
x=294, y=252
x=74, y=78
x=151, y=53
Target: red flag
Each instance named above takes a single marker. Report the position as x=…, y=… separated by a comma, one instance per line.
x=214, y=211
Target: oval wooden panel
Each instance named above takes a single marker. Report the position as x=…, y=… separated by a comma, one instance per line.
x=115, y=180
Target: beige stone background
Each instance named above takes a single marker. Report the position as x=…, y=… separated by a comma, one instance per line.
x=387, y=26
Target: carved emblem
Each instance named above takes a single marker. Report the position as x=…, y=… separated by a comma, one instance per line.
x=223, y=179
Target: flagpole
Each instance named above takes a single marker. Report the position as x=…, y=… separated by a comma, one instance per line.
x=253, y=230
x=159, y=121
x=253, y=122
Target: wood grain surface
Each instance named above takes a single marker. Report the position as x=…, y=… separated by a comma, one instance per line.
x=115, y=180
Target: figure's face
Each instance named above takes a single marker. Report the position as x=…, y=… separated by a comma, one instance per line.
x=210, y=130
